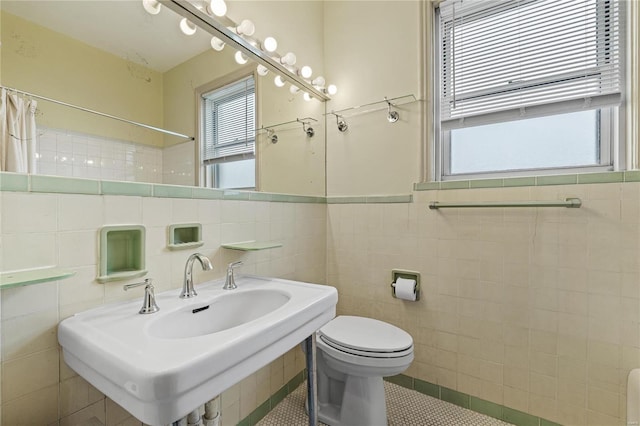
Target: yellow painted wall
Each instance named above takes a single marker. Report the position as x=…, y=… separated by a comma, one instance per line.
x=296, y=164
x=43, y=62
x=372, y=50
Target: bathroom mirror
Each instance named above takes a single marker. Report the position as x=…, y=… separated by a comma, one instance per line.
x=114, y=57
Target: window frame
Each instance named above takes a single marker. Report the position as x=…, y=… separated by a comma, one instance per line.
x=611, y=123
x=206, y=178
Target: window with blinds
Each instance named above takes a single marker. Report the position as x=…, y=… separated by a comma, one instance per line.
x=228, y=148
x=526, y=78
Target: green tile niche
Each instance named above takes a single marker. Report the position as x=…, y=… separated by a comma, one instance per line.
x=122, y=252
x=184, y=236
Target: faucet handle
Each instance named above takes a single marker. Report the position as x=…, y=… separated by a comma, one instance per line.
x=149, y=305
x=233, y=265
x=230, y=282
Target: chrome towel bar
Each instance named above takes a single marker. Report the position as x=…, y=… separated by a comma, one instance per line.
x=568, y=202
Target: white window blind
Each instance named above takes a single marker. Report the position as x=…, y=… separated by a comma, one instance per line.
x=229, y=119
x=512, y=59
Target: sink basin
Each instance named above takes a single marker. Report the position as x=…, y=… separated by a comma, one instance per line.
x=161, y=366
x=226, y=311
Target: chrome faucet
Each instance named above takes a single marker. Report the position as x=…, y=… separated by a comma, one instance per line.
x=149, y=305
x=230, y=282
x=187, y=286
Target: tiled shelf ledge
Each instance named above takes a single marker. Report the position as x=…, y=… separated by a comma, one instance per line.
x=32, y=276
x=575, y=179
x=17, y=182
x=464, y=400
x=371, y=199
x=251, y=246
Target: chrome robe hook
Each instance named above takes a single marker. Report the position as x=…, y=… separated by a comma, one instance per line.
x=392, y=116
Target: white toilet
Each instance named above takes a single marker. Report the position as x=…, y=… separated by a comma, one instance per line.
x=353, y=354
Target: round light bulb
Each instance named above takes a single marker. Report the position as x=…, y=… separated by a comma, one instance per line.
x=288, y=59
x=307, y=97
x=187, y=27
x=332, y=89
x=262, y=70
x=218, y=7
x=151, y=6
x=294, y=89
x=246, y=27
x=217, y=44
x=270, y=44
x=306, y=71
x=278, y=81
x=319, y=81
x=240, y=58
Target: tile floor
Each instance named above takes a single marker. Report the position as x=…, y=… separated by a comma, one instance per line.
x=405, y=407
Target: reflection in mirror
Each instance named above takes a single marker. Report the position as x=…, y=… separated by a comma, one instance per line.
x=116, y=58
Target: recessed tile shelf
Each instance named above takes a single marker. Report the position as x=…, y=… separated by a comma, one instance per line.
x=251, y=246
x=32, y=276
x=185, y=236
x=122, y=252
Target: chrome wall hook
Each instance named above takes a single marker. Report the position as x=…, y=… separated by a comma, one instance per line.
x=308, y=130
x=306, y=127
x=271, y=134
x=342, y=124
x=392, y=116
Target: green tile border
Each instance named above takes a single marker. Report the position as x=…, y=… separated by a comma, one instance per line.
x=263, y=409
x=473, y=403
x=455, y=184
x=632, y=176
x=68, y=185
x=346, y=200
x=127, y=188
x=519, y=418
x=521, y=181
x=371, y=199
x=14, y=182
x=172, y=191
x=556, y=180
x=569, y=179
x=18, y=182
x=460, y=399
x=426, y=388
x=487, y=408
x=207, y=193
x=457, y=398
x=401, y=380
x=486, y=183
x=64, y=185
x=611, y=177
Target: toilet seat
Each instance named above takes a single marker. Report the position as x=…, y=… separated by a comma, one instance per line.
x=366, y=337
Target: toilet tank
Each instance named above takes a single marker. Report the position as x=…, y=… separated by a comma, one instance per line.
x=633, y=398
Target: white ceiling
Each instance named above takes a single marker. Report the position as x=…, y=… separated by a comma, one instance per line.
x=121, y=27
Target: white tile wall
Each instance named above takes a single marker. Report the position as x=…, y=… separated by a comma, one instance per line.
x=66, y=153
x=178, y=164
x=49, y=229
x=534, y=309
x=538, y=310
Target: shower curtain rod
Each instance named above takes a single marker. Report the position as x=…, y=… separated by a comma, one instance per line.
x=135, y=123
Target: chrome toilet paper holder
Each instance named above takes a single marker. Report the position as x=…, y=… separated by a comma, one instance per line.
x=409, y=275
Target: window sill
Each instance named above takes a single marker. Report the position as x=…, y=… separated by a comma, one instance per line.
x=572, y=179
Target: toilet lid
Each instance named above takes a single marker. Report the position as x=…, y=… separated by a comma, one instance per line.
x=365, y=334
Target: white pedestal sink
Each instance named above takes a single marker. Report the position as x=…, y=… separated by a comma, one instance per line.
x=161, y=366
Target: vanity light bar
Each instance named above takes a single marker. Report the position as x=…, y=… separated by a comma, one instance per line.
x=212, y=26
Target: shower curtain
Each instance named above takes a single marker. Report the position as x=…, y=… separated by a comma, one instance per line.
x=17, y=133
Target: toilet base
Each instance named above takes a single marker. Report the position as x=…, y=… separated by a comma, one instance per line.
x=363, y=404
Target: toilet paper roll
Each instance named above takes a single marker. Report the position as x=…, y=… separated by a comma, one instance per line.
x=405, y=289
